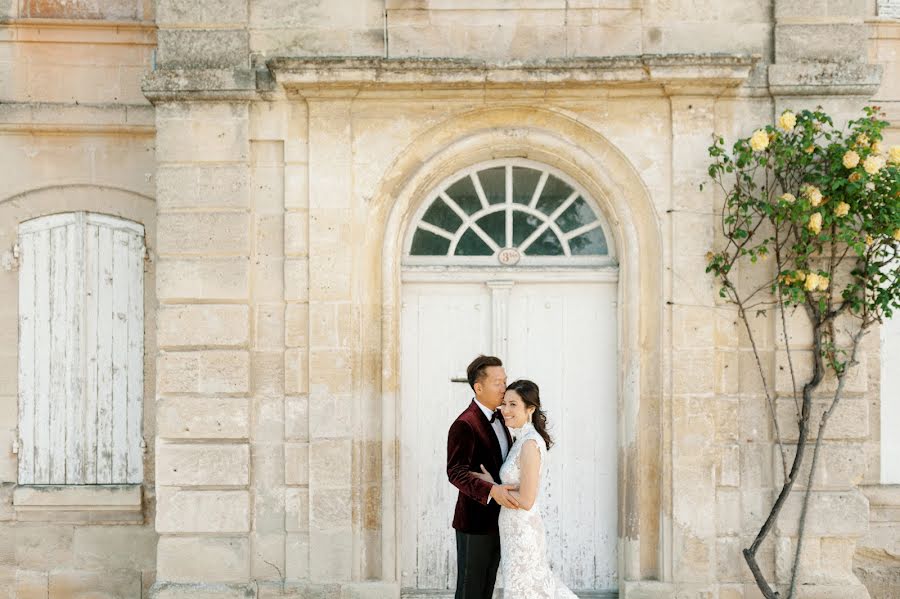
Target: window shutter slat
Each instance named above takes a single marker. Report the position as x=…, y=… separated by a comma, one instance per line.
x=104, y=343
x=27, y=355
x=92, y=284
x=74, y=260
x=42, y=358
x=120, y=355
x=135, y=316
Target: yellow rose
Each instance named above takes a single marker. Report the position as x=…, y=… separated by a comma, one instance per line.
x=759, y=140
x=869, y=240
x=851, y=159
x=812, y=282
x=873, y=164
x=842, y=209
x=894, y=153
x=801, y=276
x=809, y=149
x=876, y=147
x=854, y=177
x=897, y=235
x=813, y=194
x=823, y=283
x=788, y=198
x=787, y=120
x=862, y=139
x=815, y=223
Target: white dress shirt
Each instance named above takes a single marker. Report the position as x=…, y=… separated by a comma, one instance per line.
x=498, y=429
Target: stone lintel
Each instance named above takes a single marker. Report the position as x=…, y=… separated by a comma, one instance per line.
x=78, y=503
x=824, y=79
x=713, y=73
x=52, y=117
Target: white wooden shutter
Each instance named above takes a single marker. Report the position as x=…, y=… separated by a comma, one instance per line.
x=81, y=346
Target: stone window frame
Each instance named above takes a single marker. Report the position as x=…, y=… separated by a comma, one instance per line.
x=97, y=503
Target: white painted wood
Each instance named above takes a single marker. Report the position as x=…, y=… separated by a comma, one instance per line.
x=120, y=356
x=500, y=316
x=91, y=303
x=81, y=350
x=135, y=355
x=41, y=359
x=58, y=325
x=563, y=336
x=73, y=456
x=443, y=328
x=27, y=355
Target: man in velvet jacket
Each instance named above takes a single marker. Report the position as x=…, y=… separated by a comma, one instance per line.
x=479, y=437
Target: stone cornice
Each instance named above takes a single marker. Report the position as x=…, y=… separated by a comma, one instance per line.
x=75, y=31
x=702, y=73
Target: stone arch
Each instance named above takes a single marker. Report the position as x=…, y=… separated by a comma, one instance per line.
x=558, y=140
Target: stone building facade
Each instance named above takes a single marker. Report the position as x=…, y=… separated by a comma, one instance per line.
x=279, y=160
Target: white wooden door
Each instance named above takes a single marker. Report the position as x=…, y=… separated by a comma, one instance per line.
x=562, y=336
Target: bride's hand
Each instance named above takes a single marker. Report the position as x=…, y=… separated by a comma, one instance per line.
x=484, y=475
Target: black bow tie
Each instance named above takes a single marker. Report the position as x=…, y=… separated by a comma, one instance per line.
x=495, y=415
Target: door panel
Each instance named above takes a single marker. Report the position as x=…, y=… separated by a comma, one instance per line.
x=562, y=336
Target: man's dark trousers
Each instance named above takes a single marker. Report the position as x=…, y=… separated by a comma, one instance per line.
x=477, y=559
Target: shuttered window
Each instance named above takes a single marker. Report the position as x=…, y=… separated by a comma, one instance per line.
x=81, y=347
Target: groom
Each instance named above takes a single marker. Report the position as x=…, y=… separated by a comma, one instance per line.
x=479, y=436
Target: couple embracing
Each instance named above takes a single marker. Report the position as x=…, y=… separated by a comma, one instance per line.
x=496, y=457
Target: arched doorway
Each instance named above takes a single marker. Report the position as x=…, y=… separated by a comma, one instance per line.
x=511, y=257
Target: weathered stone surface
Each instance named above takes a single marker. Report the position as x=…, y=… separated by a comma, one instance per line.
x=204, y=279
x=205, y=465
x=182, y=511
x=202, y=187
x=203, y=325
x=207, y=559
x=200, y=48
x=209, y=371
x=203, y=418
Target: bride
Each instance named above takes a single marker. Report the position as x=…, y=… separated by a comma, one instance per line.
x=526, y=572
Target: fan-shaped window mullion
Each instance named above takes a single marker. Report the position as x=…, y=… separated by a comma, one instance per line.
x=550, y=221
x=581, y=230
x=538, y=190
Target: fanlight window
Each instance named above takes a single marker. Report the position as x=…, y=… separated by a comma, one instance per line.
x=517, y=208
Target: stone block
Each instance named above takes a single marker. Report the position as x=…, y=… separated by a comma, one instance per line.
x=199, y=233
x=270, y=235
x=296, y=280
x=296, y=324
x=267, y=557
x=692, y=327
x=820, y=42
x=849, y=421
x=331, y=369
x=113, y=10
x=203, y=48
x=268, y=418
x=841, y=465
x=202, y=418
x=296, y=463
x=329, y=508
x=207, y=559
x=203, y=279
x=728, y=470
x=296, y=418
x=729, y=560
x=202, y=465
x=831, y=513
x=603, y=32
x=330, y=463
x=296, y=368
x=728, y=511
x=330, y=415
x=269, y=279
x=100, y=548
x=297, y=556
x=331, y=557
x=185, y=511
x=296, y=186
x=203, y=325
x=268, y=373
x=218, y=12
x=296, y=233
x=201, y=132
x=44, y=546
x=296, y=505
x=202, y=187
x=32, y=584
x=208, y=371
x=81, y=583
x=270, y=326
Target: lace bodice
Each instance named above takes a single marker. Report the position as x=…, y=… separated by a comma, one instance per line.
x=526, y=572
x=511, y=471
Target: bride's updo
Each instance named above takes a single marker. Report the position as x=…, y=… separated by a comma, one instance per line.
x=531, y=395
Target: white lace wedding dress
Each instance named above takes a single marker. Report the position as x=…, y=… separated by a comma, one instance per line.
x=526, y=572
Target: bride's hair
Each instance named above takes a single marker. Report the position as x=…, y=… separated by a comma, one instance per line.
x=531, y=395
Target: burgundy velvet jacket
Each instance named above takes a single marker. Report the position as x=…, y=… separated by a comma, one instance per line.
x=471, y=443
